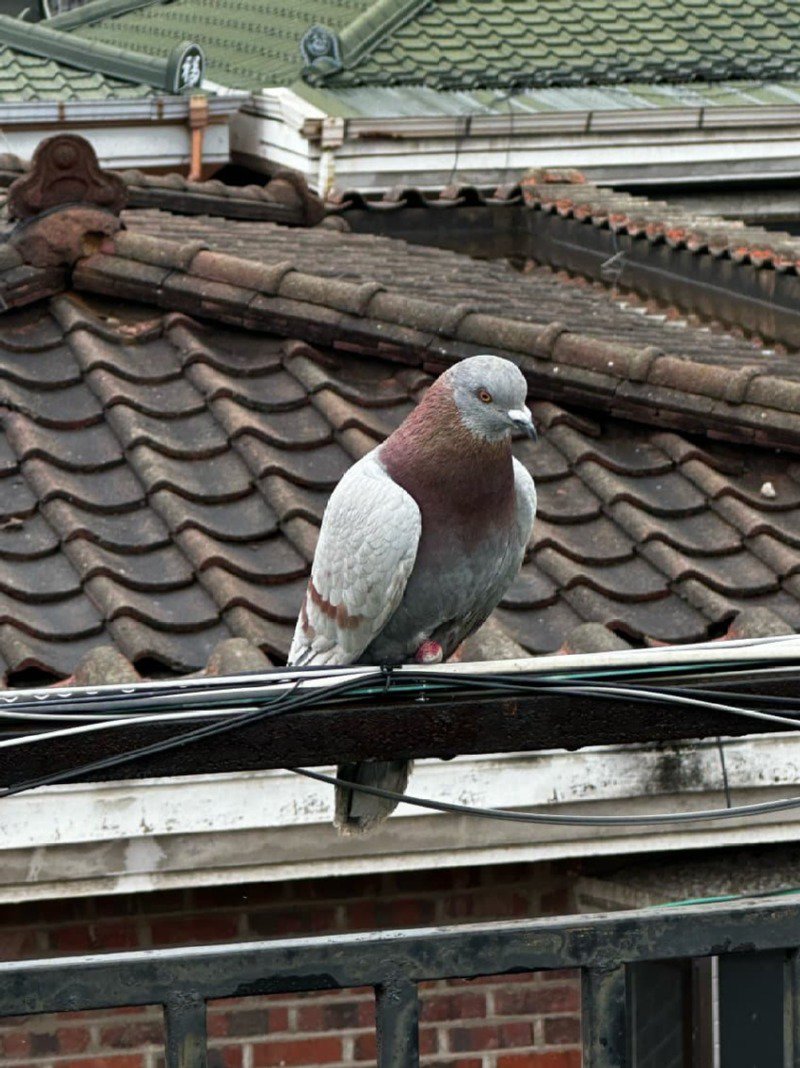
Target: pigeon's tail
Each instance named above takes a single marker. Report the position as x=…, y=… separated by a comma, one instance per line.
x=358, y=812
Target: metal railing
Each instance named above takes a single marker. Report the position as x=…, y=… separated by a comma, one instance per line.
x=755, y=943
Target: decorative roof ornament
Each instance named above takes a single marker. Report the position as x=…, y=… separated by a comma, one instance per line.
x=321, y=49
x=185, y=67
x=65, y=170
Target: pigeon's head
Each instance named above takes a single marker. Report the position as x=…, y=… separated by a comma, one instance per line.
x=489, y=393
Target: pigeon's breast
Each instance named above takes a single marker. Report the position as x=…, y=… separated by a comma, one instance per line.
x=468, y=550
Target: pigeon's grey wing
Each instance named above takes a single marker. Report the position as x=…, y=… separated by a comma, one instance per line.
x=366, y=551
x=526, y=502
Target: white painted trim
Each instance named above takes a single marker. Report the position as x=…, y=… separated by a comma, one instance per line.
x=148, y=109
x=282, y=129
x=141, y=146
x=74, y=840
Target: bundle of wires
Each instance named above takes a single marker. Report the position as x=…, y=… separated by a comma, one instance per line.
x=702, y=677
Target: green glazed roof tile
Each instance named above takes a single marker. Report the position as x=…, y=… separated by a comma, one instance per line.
x=32, y=78
x=248, y=44
x=466, y=44
x=553, y=43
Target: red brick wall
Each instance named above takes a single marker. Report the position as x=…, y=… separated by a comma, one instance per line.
x=512, y=1022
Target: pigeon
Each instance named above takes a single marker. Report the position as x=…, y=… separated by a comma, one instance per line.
x=419, y=541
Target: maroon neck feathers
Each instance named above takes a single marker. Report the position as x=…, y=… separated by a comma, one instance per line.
x=447, y=468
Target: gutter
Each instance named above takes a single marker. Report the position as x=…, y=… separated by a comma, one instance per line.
x=149, y=109
x=662, y=120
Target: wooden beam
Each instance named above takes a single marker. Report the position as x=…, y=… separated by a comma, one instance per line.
x=386, y=728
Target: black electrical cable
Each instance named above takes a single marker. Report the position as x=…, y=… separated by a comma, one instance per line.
x=359, y=686
x=543, y=817
x=231, y=690
x=285, y=703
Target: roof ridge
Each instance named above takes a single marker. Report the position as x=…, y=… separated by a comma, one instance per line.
x=170, y=73
x=619, y=231
x=635, y=382
x=354, y=41
x=96, y=10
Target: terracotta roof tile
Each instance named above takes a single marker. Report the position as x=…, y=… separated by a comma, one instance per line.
x=26, y=540
x=90, y=448
x=70, y=617
x=272, y=392
x=245, y=519
x=531, y=589
x=640, y=382
x=49, y=370
x=186, y=609
x=300, y=428
x=72, y=406
x=629, y=580
x=164, y=481
x=134, y=530
x=150, y=362
x=704, y=533
x=669, y=494
x=272, y=559
x=290, y=500
x=279, y=602
x=160, y=568
x=207, y=479
x=115, y=489
x=607, y=219
x=169, y=648
x=735, y=573
x=269, y=634
x=318, y=468
x=568, y=500
x=176, y=397
x=541, y=630
x=41, y=579
x=670, y=619
x=595, y=541
x=195, y=436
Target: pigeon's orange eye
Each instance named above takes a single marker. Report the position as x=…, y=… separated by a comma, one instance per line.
x=485, y=396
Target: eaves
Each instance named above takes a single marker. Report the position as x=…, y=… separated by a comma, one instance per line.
x=413, y=112
x=566, y=122
x=154, y=834
x=149, y=109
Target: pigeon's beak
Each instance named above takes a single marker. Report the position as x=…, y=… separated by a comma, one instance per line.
x=521, y=417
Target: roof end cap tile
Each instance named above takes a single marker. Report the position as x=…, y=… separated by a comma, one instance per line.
x=492, y=642
x=235, y=656
x=290, y=188
x=758, y=622
x=592, y=638
x=104, y=665
x=63, y=236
